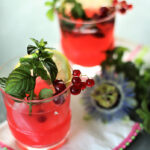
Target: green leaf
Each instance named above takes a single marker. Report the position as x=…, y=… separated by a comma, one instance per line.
x=146, y=125
x=31, y=49
x=45, y=93
x=31, y=62
x=51, y=68
x=144, y=106
x=42, y=73
x=20, y=82
x=46, y=54
x=139, y=62
x=140, y=113
x=48, y=3
x=50, y=14
x=42, y=44
x=67, y=26
x=35, y=41
x=77, y=11
x=3, y=82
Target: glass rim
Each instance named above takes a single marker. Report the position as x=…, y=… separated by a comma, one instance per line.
x=101, y=20
x=36, y=101
x=31, y=101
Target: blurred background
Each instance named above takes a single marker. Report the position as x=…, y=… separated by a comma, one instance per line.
x=23, y=19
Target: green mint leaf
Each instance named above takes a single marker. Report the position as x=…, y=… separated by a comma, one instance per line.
x=48, y=3
x=35, y=41
x=3, y=82
x=45, y=93
x=50, y=14
x=46, y=54
x=20, y=82
x=77, y=11
x=67, y=25
x=31, y=49
x=30, y=61
x=36, y=65
x=51, y=68
x=42, y=72
x=42, y=43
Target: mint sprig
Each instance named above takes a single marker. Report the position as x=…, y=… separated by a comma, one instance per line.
x=76, y=11
x=42, y=59
x=21, y=80
x=52, y=4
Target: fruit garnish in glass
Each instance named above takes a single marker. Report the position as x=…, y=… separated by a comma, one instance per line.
x=37, y=96
x=87, y=28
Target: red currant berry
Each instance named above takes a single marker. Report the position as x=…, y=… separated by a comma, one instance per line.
x=42, y=118
x=76, y=73
x=130, y=6
x=59, y=87
x=122, y=10
x=57, y=81
x=104, y=11
x=123, y=4
x=90, y=82
x=83, y=85
x=76, y=80
x=115, y=2
x=75, y=90
x=59, y=100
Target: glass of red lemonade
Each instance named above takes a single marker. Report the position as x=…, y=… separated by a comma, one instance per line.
x=47, y=125
x=85, y=42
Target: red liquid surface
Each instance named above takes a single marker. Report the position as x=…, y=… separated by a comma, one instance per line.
x=48, y=124
x=86, y=44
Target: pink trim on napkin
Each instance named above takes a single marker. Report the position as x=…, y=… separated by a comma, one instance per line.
x=135, y=130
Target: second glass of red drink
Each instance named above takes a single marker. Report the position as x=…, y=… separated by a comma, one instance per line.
x=86, y=42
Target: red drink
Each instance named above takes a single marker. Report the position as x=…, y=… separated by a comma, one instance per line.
x=46, y=126
x=85, y=42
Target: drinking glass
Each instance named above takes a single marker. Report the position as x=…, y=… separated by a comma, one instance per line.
x=85, y=42
x=47, y=126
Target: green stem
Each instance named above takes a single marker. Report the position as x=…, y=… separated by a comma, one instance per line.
x=30, y=103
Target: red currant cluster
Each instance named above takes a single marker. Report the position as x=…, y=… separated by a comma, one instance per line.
x=122, y=6
x=78, y=84
x=75, y=89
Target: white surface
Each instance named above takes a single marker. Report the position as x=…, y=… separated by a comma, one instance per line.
x=22, y=19
x=84, y=135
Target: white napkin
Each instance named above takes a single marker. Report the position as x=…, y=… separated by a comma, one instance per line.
x=84, y=135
